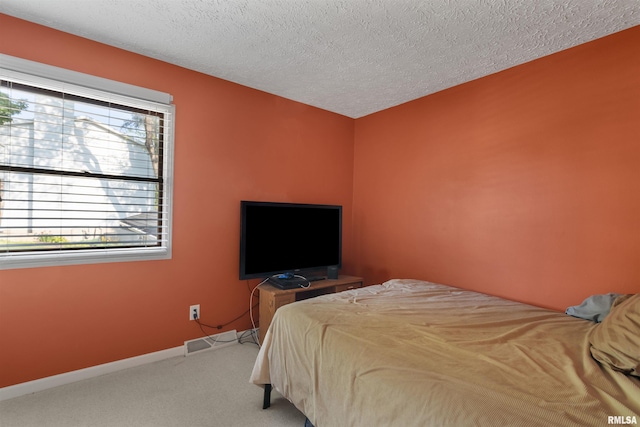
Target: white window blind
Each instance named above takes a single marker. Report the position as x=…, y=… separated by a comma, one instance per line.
x=85, y=170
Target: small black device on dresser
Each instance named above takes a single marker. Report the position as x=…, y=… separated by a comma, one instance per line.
x=332, y=272
x=288, y=281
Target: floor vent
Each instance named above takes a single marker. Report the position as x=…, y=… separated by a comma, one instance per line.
x=211, y=342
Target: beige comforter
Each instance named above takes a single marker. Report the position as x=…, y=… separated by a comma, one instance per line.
x=412, y=353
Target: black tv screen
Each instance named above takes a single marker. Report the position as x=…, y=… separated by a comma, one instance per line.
x=277, y=238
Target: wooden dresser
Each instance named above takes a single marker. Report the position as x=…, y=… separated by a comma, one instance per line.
x=272, y=298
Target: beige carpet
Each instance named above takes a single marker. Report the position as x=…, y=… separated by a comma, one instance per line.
x=210, y=388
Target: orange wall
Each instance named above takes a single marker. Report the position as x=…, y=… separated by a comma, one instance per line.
x=229, y=142
x=523, y=184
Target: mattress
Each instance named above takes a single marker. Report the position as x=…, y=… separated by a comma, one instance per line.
x=415, y=353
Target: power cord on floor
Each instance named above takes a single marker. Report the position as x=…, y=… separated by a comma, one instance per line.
x=250, y=337
x=252, y=333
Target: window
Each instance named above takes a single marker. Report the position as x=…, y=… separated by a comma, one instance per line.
x=85, y=168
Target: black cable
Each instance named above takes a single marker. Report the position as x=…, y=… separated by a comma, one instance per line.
x=239, y=339
x=224, y=324
x=209, y=336
x=254, y=339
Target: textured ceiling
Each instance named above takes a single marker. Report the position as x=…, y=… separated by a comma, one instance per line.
x=352, y=57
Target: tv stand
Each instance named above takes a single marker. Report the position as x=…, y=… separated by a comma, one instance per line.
x=272, y=298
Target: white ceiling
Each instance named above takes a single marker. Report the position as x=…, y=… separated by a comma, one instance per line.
x=352, y=57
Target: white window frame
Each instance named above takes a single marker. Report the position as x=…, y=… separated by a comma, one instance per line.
x=42, y=75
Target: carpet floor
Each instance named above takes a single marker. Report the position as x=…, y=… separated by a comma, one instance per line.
x=210, y=388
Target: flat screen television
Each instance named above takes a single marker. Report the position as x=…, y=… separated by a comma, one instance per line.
x=285, y=238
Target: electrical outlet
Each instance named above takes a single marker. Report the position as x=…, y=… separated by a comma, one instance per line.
x=194, y=312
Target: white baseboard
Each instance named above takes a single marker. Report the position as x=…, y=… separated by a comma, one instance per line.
x=29, y=387
x=82, y=374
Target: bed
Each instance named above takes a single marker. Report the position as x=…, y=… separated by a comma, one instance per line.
x=414, y=353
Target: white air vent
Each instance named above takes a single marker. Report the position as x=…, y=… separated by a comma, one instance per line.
x=211, y=342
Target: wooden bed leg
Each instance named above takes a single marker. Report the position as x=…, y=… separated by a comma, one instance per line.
x=267, y=396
